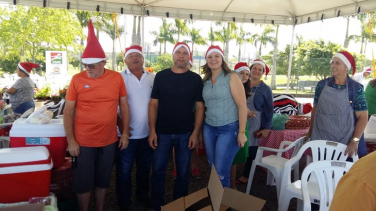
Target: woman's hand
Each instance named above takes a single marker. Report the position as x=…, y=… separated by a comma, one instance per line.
x=241, y=139
x=251, y=114
x=264, y=133
x=352, y=149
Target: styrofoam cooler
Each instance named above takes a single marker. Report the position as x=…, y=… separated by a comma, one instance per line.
x=51, y=135
x=25, y=172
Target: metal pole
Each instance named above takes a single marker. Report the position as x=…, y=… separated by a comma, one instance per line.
x=290, y=59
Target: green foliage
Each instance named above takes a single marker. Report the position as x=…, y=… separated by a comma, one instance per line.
x=8, y=63
x=163, y=62
x=43, y=92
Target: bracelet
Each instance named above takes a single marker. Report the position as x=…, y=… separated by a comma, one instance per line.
x=241, y=131
x=126, y=135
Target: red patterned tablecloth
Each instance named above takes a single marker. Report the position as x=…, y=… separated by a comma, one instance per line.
x=275, y=137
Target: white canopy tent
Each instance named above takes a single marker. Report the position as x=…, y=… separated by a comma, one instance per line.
x=283, y=12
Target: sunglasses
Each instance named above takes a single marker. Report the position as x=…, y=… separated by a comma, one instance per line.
x=91, y=66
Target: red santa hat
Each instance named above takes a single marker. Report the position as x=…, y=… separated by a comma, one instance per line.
x=348, y=59
x=241, y=66
x=191, y=60
x=93, y=52
x=368, y=70
x=26, y=67
x=133, y=49
x=179, y=45
x=214, y=48
x=266, y=68
x=305, y=108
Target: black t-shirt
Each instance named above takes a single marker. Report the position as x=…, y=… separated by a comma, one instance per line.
x=176, y=94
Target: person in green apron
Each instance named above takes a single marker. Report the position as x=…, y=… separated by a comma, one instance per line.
x=260, y=112
x=243, y=71
x=340, y=111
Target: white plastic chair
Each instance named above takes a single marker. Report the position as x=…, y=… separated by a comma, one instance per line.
x=275, y=163
x=321, y=150
x=327, y=173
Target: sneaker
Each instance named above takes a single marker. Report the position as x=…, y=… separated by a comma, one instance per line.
x=196, y=174
x=174, y=175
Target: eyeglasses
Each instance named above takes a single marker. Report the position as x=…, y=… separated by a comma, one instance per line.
x=91, y=66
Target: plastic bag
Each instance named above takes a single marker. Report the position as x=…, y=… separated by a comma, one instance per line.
x=279, y=121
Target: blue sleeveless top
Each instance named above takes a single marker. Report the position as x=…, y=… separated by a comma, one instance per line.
x=221, y=108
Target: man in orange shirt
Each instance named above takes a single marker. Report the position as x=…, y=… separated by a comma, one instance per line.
x=90, y=123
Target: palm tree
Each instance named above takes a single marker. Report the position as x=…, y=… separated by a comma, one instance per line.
x=240, y=37
x=165, y=34
x=110, y=30
x=196, y=38
x=225, y=35
x=363, y=37
x=181, y=28
x=212, y=36
x=264, y=38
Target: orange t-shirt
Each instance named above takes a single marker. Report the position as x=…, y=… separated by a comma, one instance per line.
x=97, y=100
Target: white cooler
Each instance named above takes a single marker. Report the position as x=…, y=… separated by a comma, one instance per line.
x=25, y=172
x=51, y=135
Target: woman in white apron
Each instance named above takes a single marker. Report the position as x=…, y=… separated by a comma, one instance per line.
x=340, y=109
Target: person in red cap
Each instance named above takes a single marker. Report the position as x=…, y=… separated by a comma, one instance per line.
x=139, y=84
x=174, y=123
x=21, y=94
x=361, y=77
x=259, y=112
x=90, y=116
x=339, y=110
x=226, y=113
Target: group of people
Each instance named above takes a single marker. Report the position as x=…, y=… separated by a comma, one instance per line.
x=175, y=108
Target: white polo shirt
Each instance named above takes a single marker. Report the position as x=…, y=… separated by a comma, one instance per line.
x=138, y=95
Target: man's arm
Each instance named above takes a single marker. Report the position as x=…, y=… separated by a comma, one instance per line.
x=153, y=108
x=69, y=115
x=125, y=117
x=199, y=118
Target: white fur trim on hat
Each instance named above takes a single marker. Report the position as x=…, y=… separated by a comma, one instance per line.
x=179, y=46
x=92, y=60
x=344, y=59
x=242, y=68
x=23, y=69
x=214, y=50
x=133, y=51
x=259, y=62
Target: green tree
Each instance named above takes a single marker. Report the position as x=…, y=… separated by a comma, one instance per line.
x=163, y=62
x=363, y=37
x=225, y=35
x=264, y=38
x=8, y=63
x=181, y=28
x=110, y=30
x=164, y=35
x=240, y=38
x=196, y=38
x=212, y=36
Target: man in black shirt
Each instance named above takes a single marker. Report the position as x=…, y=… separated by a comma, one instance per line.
x=174, y=123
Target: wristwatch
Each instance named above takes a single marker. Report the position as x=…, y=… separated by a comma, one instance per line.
x=356, y=140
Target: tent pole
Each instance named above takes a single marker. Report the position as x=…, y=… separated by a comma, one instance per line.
x=290, y=58
x=143, y=31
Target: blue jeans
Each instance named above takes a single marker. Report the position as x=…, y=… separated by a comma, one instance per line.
x=221, y=144
x=24, y=107
x=140, y=150
x=161, y=156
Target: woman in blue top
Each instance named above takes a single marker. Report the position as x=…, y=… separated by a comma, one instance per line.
x=226, y=113
x=339, y=108
x=260, y=112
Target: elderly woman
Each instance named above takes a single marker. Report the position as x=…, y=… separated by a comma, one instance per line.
x=226, y=113
x=260, y=112
x=339, y=108
x=22, y=91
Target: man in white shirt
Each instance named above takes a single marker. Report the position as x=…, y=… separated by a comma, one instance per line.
x=361, y=77
x=139, y=84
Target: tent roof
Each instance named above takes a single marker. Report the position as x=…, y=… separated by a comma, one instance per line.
x=260, y=11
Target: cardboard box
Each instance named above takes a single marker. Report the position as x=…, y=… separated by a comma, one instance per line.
x=215, y=198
